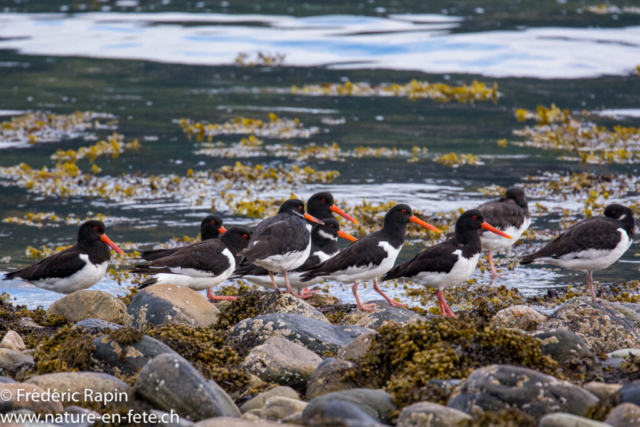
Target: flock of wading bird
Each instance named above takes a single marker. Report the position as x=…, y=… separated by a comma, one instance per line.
x=295, y=249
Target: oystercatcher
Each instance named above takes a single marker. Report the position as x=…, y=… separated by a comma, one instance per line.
x=324, y=245
x=448, y=263
x=591, y=245
x=210, y=228
x=371, y=256
x=322, y=205
x=199, y=266
x=509, y=214
x=282, y=242
x=79, y=267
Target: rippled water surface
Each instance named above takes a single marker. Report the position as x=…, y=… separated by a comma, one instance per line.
x=154, y=64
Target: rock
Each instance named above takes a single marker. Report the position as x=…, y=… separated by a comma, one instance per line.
x=89, y=386
x=293, y=419
x=6, y=380
x=282, y=361
x=520, y=317
x=625, y=352
x=375, y=403
x=605, y=326
x=324, y=300
x=13, y=398
x=427, y=414
x=12, y=362
x=129, y=358
x=235, y=422
x=87, y=304
x=568, y=420
x=625, y=415
x=181, y=422
x=97, y=325
x=28, y=323
x=229, y=408
x=277, y=302
x=80, y=414
x=313, y=334
x=162, y=304
x=329, y=377
x=498, y=387
x=357, y=348
x=259, y=400
x=170, y=382
x=628, y=393
x=601, y=390
x=562, y=345
x=279, y=408
x=13, y=341
x=339, y=413
x=381, y=313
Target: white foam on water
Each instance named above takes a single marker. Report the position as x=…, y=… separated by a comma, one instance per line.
x=405, y=42
x=628, y=112
x=11, y=112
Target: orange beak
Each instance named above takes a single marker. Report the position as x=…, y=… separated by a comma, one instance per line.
x=422, y=223
x=222, y=230
x=346, y=236
x=494, y=230
x=313, y=219
x=108, y=241
x=343, y=214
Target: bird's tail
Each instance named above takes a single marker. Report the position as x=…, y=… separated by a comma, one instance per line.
x=528, y=259
x=394, y=273
x=148, y=282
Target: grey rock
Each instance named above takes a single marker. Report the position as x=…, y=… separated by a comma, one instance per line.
x=380, y=314
x=130, y=358
x=278, y=408
x=14, y=403
x=259, y=400
x=562, y=345
x=89, y=303
x=277, y=302
x=518, y=316
x=498, y=387
x=13, y=341
x=170, y=382
x=12, y=362
x=601, y=390
x=329, y=377
x=339, y=413
x=625, y=352
x=624, y=415
x=568, y=420
x=612, y=362
x=628, y=393
x=229, y=408
x=97, y=325
x=313, y=334
x=428, y=414
x=375, y=403
x=282, y=361
x=236, y=422
x=6, y=380
x=357, y=348
x=82, y=415
x=181, y=422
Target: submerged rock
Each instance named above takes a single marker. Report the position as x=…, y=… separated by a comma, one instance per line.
x=568, y=420
x=562, y=345
x=428, y=414
x=624, y=415
x=497, y=387
x=520, y=317
x=162, y=304
x=87, y=304
x=381, y=313
x=329, y=377
x=375, y=403
x=259, y=400
x=129, y=357
x=313, y=334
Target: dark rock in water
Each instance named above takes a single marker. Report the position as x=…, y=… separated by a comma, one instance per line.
x=381, y=313
x=428, y=414
x=313, y=334
x=129, y=358
x=97, y=325
x=329, y=378
x=624, y=415
x=6, y=380
x=605, y=326
x=229, y=408
x=628, y=393
x=375, y=403
x=339, y=413
x=562, y=345
x=259, y=400
x=89, y=303
x=568, y=420
x=497, y=387
x=169, y=382
x=164, y=304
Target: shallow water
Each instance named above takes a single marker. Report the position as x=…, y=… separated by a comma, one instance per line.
x=151, y=69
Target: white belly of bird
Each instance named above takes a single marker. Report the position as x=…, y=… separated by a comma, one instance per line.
x=84, y=278
x=294, y=276
x=593, y=259
x=197, y=280
x=371, y=271
x=287, y=261
x=461, y=271
x=493, y=242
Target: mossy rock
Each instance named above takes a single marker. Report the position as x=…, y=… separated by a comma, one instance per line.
x=89, y=303
x=382, y=312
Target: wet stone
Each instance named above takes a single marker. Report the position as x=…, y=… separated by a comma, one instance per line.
x=229, y=408
x=12, y=362
x=601, y=390
x=132, y=357
x=520, y=317
x=624, y=415
x=628, y=393
x=13, y=341
x=428, y=414
x=97, y=325
x=329, y=378
x=374, y=403
x=259, y=400
x=357, y=348
x=562, y=345
x=87, y=304
x=339, y=413
x=568, y=420
x=278, y=408
x=381, y=313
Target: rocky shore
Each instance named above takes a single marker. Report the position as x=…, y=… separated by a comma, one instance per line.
x=272, y=358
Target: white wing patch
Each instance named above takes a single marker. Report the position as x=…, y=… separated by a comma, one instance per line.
x=461, y=271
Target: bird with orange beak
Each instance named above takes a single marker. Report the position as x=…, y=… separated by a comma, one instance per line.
x=448, y=263
x=79, y=267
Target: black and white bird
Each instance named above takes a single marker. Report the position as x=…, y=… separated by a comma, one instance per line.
x=199, y=266
x=371, y=256
x=79, y=267
x=509, y=214
x=448, y=263
x=210, y=228
x=591, y=245
x=324, y=245
x=282, y=242
x=322, y=205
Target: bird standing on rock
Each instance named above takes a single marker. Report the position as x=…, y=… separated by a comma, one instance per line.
x=448, y=263
x=371, y=256
x=79, y=267
x=591, y=245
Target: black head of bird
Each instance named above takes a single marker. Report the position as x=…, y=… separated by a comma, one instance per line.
x=211, y=227
x=322, y=205
x=94, y=231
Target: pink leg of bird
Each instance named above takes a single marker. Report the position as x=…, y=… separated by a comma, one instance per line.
x=493, y=268
x=447, y=308
x=366, y=307
x=443, y=311
x=211, y=296
x=286, y=280
x=273, y=280
x=306, y=293
x=590, y=283
x=389, y=300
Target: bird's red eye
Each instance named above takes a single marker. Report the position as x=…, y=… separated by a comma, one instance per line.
x=299, y=207
x=96, y=228
x=404, y=211
x=517, y=196
x=474, y=217
x=213, y=223
x=324, y=200
x=332, y=226
x=245, y=236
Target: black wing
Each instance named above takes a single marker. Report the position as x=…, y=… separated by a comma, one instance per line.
x=60, y=265
x=436, y=259
x=155, y=254
x=502, y=214
x=249, y=270
x=204, y=256
x=288, y=234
